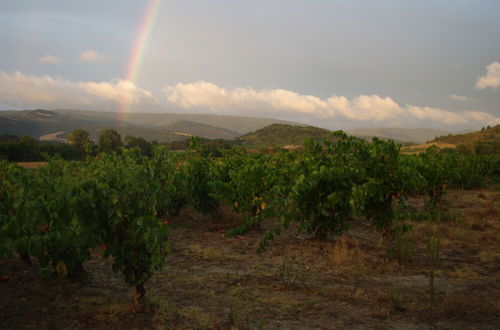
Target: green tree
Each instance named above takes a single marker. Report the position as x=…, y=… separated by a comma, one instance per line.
x=80, y=140
x=28, y=148
x=139, y=143
x=110, y=141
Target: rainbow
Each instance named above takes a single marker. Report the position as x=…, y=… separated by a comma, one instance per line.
x=137, y=51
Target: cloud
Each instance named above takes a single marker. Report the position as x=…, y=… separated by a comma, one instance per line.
x=118, y=90
x=92, y=56
x=370, y=109
x=452, y=118
x=491, y=78
x=50, y=59
x=461, y=98
x=20, y=90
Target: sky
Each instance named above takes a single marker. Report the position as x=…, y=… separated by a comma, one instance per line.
x=337, y=64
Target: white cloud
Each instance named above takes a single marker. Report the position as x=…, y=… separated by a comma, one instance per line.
x=461, y=98
x=439, y=115
x=20, y=90
x=92, y=56
x=208, y=95
x=491, y=78
x=118, y=90
x=482, y=117
x=50, y=59
x=279, y=102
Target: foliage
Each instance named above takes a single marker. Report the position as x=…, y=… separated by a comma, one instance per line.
x=109, y=141
x=52, y=233
x=141, y=144
x=281, y=134
x=118, y=202
x=80, y=140
x=28, y=149
x=59, y=212
x=400, y=245
x=196, y=173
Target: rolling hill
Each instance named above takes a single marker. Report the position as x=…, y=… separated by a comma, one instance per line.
x=282, y=135
x=487, y=140
x=57, y=124
x=186, y=127
x=490, y=134
x=169, y=127
x=42, y=122
x=402, y=135
x=239, y=125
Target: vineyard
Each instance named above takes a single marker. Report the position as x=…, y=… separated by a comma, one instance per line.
x=128, y=211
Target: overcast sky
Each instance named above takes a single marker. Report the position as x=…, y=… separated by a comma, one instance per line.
x=332, y=63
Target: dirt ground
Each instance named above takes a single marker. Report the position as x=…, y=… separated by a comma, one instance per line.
x=32, y=164
x=357, y=281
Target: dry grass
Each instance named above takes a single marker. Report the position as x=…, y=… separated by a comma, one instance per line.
x=32, y=164
x=422, y=147
x=346, y=250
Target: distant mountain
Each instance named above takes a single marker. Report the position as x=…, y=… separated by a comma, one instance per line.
x=283, y=135
x=42, y=122
x=239, y=125
x=415, y=135
x=169, y=127
x=56, y=125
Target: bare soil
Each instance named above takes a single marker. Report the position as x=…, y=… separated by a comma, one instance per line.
x=32, y=164
x=352, y=282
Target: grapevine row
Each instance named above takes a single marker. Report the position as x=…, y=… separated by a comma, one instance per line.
x=117, y=202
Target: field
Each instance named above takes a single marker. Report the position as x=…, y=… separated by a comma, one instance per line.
x=422, y=147
x=342, y=234
x=219, y=282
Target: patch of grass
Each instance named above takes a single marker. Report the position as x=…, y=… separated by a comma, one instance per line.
x=433, y=255
x=293, y=273
x=345, y=250
x=205, y=252
x=401, y=245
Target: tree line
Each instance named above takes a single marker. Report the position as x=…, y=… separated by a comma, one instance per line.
x=80, y=145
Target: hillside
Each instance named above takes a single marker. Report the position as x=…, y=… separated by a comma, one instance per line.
x=487, y=140
x=281, y=135
x=201, y=130
x=403, y=135
x=170, y=127
x=489, y=134
x=42, y=122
